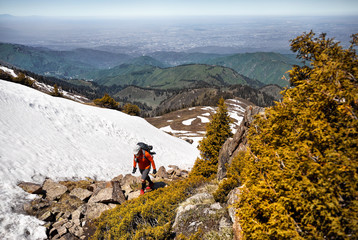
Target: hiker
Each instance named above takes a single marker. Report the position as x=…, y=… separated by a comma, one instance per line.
x=144, y=160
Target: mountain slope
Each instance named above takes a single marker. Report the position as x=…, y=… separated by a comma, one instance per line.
x=176, y=77
x=43, y=136
x=59, y=63
x=268, y=68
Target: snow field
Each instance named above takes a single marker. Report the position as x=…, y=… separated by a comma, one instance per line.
x=44, y=136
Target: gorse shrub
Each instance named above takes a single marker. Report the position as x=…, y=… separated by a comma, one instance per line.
x=147, y=217
x=107, y=102
x=131, y=109
x=300, y=176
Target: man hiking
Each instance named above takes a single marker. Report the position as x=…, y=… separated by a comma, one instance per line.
x=144, y=160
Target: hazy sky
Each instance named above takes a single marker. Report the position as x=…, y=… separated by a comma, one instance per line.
x=137, y=8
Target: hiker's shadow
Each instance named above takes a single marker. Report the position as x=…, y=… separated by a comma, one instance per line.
x=158, y=185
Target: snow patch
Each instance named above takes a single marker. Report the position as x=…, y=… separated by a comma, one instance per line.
x=188, y=122
x=9, y=71
x=204, y=119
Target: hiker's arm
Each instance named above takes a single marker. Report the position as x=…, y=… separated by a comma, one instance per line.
x=134, y=162
x=150, y=158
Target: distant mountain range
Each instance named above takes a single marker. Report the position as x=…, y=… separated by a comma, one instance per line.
x=157, y=70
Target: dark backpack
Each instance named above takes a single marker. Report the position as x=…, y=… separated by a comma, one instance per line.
x=146, y=147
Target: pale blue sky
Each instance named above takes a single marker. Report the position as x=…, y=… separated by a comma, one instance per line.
x=137, y=8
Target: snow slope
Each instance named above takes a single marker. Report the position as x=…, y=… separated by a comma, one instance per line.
x=44, y=136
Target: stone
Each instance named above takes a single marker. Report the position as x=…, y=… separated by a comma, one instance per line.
x=133, y=195
x=174, y=167
x=117, y=179
x=216, y=206
x=46, y=216
x=68, y=236
x=53, y=190
x=238, y=142
x=32, y=188
x=233, y=197
x=109, y=195
x=117, y=194
x=60, y=223
x=103, y=196
x=94, y=210
x=95, y=187
x=78, y=213
x=81, y=193
x=129, y=179
x=162, y=173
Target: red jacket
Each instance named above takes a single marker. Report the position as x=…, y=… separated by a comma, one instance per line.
x=144, y=160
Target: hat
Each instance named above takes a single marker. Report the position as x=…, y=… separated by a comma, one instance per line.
x=136, y=149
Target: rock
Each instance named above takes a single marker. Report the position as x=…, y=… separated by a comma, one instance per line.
x=225, y=223
x=60, y=223
x=174, y=167
x=81, y=193
x=117, y=179
x=216, y=206
x=109, y=195
x=46, y=216
x=104, y=195
x=95, y=187
x=32, y=188
x=162, y=173
x=76, y=230
x=53, y=190
x=129, y=182
x=190, y=204
x=78, y=214
x=94, y=210
x=68, y=236
x=233, y=197
x=117, y=194
x=133, y=195
x=129, y=179
x=238, y=142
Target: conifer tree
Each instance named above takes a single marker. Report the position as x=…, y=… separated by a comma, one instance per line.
x=217, y=132
x=300, y=177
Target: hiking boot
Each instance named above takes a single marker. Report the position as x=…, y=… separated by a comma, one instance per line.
x=150, y=187
x=141, y=191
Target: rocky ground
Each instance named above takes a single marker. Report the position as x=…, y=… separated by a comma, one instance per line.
x=68, y=207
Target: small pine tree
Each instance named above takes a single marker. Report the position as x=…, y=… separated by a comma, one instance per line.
x=217, y=132
x=55, y=92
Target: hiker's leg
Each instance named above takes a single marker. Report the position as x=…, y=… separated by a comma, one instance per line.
x=145, y=176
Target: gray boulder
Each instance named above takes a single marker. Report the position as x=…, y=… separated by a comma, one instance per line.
x=109, y=195
x=53, y=190
x=81, y=193
x=32, y=188
x=94, y=210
